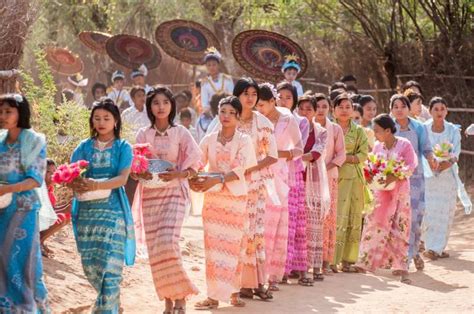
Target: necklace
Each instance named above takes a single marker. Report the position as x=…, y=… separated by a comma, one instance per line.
x=162, y=132
x=224, y=140
x=102, y=145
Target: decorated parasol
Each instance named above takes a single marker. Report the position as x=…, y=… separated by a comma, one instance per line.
x=63, y=61
x=132, y=51
x=95, y=40
x=185, y=40
x=262, y=53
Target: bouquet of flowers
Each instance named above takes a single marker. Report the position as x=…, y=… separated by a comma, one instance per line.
x=67, y=173
x=443, y=151
x=140, y=163
x=378, y=167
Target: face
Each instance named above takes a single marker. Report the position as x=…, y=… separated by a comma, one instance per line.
x=139, y=98
x=139, y=80
x=186, y=122
x=266, y=106
x=99, y=93
x=439, y=111
x=286, y=98
x=344, y=111
x=228, y=116
x=49, y=173
x=370, y=110
x=416, y=107
x=161, y=107
x=103, y=122
x=381, y=134
x=291, y=74
x=400, y=110
x=118, y=83
x=356, y=117
x=305, y=109
x=248, y=98
x=322, y=109
x=8, y=116
x=212, y=67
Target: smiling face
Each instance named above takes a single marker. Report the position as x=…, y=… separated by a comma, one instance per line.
x=248, y=98
x=306, y=109
x=103, y=122
x=381, y=134
x=228, y=116
x=400, y=110
x=161, y=107
x=344, y=111
x=8, y=116
x=286, y=99
x=439, y=111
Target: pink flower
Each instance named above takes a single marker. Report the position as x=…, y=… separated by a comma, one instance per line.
x=139, y=164
x=142, y=149
x=83, y=163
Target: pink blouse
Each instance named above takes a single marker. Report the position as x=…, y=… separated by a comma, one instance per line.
x=335, y=151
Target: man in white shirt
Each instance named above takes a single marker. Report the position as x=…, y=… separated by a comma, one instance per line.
x=136, y=116
x=118, y=94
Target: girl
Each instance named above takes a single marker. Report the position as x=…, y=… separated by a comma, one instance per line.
x=417, y=134
x=104, y=228
x=163, y=208
x=387, y=231
x=443, y=185
x=369, y=111
x=22, y=169
x=352, y=189
x=228, y=153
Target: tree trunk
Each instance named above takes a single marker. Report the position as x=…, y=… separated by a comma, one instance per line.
x=16, y=16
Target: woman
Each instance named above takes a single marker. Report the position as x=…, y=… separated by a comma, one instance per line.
x=104, y=228
x=352, y=193
x=317, y=196
x=260, y=187
x=443, y=185
x=369, y=111
x=297, y=251
x=416, y=104
x=163, y=208
x=22, y=169
x=228, y=153
x=417, y=134
x=290, y=147
x=334, y=157
x=387, y=231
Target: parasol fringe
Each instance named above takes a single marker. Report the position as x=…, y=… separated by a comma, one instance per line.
x=7, y=74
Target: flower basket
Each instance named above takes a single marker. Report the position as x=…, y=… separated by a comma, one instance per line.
x=216, y=188
x=94, y=195
x=377, y=186
x=155, y=167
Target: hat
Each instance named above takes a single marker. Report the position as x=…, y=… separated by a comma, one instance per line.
x=118, y=75
x=291, y=61
x=78, y=80
x=212, y=54
x=141, y=71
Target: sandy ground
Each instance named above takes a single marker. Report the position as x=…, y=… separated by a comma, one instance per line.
x=445, y=286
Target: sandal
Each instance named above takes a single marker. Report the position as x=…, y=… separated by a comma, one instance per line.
x=443, y=255
x=272, y=286
x=236, y=301
x=419, y=263
x=246, y=293
x=431, y=255
x=294, y=275
x=334, y=269
x=404, y=279
x=207, y=304
x=284, y=280
x=264, y=295
x=306, y=282
x=349, y=269
x=318, y=277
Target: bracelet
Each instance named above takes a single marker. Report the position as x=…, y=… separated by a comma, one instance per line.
x=222, y=177
x=291, y=154
x=95, y=186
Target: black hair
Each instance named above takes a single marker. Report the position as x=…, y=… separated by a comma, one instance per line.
x=411, y=84
x=67, y=94
x=318, y=97
x=307, y=97
x=333, y=95
x=266, y=92
x=289, y=87
x=197, y=84
x=160, y=89
x=352, y=89
x=358, y=108
x=243, y=84
x=97, y=86
x=385, y=122
x=365, y=99
x=136, y=89
x=342, y=96
x=185, y=113
x=214, y=102
x=338, y=85
x=234, y=102
x=188, y=94
x=412, y=95
x=436, y=100
x=50, y=162
x=181, y=94
x=106, y=104
x=355, y=98
x=22, y=105
x=348, y=78
x=400, y=97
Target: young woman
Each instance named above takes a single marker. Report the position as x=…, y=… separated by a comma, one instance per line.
x=387, y=231
x=416, y=104
x=228, y=153
x=288, y=98
x=289, y=145
x=22, y=168
x=417, y=134
x=104, y=228
x=334, y=157
x=352, y=186
x=317, y=190
x=369, y=111
x=163, y=208
x=443, y=185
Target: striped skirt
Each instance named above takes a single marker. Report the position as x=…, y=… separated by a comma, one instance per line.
x=276, y=241
x=163, y=212
x=329, y=229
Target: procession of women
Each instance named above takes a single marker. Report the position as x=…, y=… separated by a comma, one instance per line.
x=292, y=185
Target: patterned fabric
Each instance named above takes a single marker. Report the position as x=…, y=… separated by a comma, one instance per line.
x=22, y=289
x=103, y=231
x=385, y=238
x=329, y=224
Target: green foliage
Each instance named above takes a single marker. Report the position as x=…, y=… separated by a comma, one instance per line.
x=64, y=124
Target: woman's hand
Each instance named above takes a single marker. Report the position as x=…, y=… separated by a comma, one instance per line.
x=390, y=179
x=444, y=165
x=202, y=184
x=83, y=185
x=433, y=164
x=4, y=189
x=144, y=175
x=307, y=157
x=172, y=174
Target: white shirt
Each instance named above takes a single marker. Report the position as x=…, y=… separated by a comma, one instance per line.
x=209, y=87
x=120, y=96
x=135, y=119
x=299, y=87
x=147, y=88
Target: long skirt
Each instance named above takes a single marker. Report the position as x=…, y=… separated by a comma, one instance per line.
x=253, y=271
x=224, y=217
x=350, y=204
x=101, y=236
x=417, y=199
x=387, y=231
x=441, y=196
x=276, y=241
x=163, y=211
x=22, y=289
x=329, y=225
x=314, y=234
x=297, y=244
